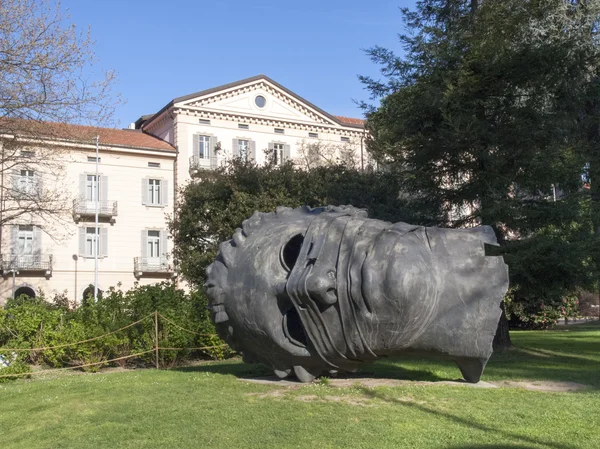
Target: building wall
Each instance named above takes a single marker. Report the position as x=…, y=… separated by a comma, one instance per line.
x=70, y=271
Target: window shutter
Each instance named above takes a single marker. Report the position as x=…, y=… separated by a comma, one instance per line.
x=37, y=240
x=163, y=243
x=144, y=191
x=16, y=180
x=213, y=153
x=103, y=242
x=82, y=241
x=271, y=147
x=235, y=148
x=144, y=243
x=252, y=151
x=286, y=152
x=38, y=184
x=103, y=188
x=164, y=196
x=82, y=181
x=196, y=145
x=14, y=235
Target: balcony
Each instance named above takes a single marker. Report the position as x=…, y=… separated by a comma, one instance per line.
x=152, y=267
x=30, y=263
x=83, y=209
x=198, y=163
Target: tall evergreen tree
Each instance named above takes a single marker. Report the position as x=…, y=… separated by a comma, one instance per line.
x=484, y=116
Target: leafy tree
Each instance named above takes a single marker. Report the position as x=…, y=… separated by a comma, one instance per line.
x=481, y=117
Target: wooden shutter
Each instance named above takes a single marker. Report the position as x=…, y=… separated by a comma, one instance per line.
x=164, y=195
x=144, y=243
x=82, y=181
x=37, y=240
x=82, y=241
x=14, y=236
x=235, y=148
x=196, y=145
x=163, y=243
x=144, y=191
x=213, y=153
x=103, y=188
x=252, y=151
x=103, y=242
x=286, y=152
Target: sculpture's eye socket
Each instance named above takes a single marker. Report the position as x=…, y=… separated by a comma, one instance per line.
x=290, y=251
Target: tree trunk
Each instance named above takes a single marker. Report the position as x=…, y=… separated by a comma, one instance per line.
x=502, y=337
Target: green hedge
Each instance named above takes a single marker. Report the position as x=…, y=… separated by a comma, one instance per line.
x=27, y=323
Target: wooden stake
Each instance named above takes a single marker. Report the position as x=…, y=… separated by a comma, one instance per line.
x=156, y=336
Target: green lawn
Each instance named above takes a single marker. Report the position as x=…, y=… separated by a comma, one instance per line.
x=207, y=406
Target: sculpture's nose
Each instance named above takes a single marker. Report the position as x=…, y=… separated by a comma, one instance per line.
x=321, y=286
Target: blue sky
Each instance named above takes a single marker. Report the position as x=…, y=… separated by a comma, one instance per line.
x=162, y=50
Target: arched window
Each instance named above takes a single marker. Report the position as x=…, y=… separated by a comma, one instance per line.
x=24, y=290
x=88, y=293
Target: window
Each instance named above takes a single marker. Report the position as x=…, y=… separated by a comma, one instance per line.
x=92, y=159
x=91, y=242
x=279, y=131
x=203, y=147
x=27, y=154
x=260, y=101
x=26, y=181
x=243, y=125
x=91, y=188
x=345, y=139
x=204, y=121
x=154, y=164
x=25, y=240
x=153, y=244
x=278, y=153
x=243, y=147
x=154, y=191
x=315, y=135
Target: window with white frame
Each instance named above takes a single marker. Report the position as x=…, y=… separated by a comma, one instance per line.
x=154, y=191
x=153, y=244
x=204, y=147
x=243, y=148
x=25, y=240
x=26, y=181
x=277, y=153
x=92, y=188
x=91, y=242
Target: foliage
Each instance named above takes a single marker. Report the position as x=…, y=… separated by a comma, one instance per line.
x=104, y=328
x=481, y=118
x=211, y=208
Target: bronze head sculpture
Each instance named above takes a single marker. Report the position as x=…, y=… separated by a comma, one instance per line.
x=311, y=291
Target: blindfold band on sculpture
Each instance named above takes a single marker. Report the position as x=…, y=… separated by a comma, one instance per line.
x=311, y=291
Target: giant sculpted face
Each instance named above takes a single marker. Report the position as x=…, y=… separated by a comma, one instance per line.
x=310, y=291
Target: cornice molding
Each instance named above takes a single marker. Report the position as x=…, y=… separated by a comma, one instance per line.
x=253, y=120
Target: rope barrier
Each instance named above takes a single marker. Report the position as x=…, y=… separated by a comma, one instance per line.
x=155, y=347
x=75, y=343
x=183, y=329
x=35, y=373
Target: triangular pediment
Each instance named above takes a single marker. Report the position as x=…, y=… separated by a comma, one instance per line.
x=241, y=99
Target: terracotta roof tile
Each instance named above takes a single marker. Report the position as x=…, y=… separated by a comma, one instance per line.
x=108, y=136
x=350, y=120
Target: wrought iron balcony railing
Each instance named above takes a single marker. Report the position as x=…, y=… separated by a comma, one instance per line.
x=88, y=208
x=27, y=263
x=145, y=265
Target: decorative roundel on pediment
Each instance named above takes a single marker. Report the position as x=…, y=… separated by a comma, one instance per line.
x=260, y=101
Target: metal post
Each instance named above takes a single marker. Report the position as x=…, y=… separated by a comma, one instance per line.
x=156, y=336
x=97, y=237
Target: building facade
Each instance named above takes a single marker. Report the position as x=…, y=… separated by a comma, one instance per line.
x=139, y=172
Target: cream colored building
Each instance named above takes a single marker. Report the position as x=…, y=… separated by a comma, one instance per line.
x=139, y=171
